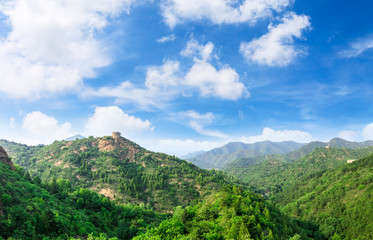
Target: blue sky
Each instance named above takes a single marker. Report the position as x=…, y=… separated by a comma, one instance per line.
x=179, y=76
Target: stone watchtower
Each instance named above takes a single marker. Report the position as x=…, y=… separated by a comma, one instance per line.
x=115, y=135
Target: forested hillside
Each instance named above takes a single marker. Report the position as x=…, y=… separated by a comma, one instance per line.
x=271, y=175
x=230, y=214
x=120, y=170
x=248, y=161
x=219, y=157
x=30, y=209
x=340, y=200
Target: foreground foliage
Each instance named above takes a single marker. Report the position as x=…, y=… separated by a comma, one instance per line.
x=229, y=214
x=32, y=210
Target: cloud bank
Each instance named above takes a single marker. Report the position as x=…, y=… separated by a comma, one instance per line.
x=52, y=45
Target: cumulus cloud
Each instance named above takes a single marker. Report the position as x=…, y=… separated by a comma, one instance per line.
x=106, y=120
x=368, y=132
x=197, y=51
x=349, y=135
x=358, y=47
x=279, y=136
x=223, y=83
x=44, y=129
x=276, y=48
x=51, y=45
x=166, y=82
x=161, y=85
x=219, y=11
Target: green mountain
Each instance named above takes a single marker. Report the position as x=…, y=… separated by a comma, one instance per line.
x=339, y=200
x=219, y=157
x=30, y=209
x=294, y=155
x=231, y=213
x=272, y=175
x=119, y=169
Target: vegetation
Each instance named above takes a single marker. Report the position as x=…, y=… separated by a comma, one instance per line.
x=271, y=175
x=220, y=157
x=111, y=188
x=340, y=201
x=119, y=169
x=232, y=213
x=30, y=209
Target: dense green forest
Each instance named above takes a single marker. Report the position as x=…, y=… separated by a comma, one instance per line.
x=340, y=200
x=271, y=175
x=119, y=169
x=111, y=188
x=232, y=213
x=30, y=209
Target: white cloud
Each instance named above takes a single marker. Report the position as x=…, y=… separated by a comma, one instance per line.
x=161, y=85
x=349, y=135
x=168, y=38
x=358, y=47
x=368, y=132
x=12, y=122
x=279, y=136
x=106, y=120
x=44, y=129
x=52, y=45
x=276, y=48
x=198, y=122
x=223, y=83
x=197, y=51
x=164, y=83
x=219, y=11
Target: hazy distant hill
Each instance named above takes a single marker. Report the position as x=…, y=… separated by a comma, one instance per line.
x=294, y=155
x=192, y=154
x=219, y=157
x=75, y=137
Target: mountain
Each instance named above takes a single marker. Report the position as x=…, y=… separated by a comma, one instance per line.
x=30, y=209
x=119, y=169
x=192, y=154
x=230, y=213
x=75, y=137
x=339, y=200
x=272, y=175
x=294, y=155
x=219, y=157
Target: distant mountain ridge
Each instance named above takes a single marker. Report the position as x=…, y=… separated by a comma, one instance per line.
x=219, y=157
x=75, y=137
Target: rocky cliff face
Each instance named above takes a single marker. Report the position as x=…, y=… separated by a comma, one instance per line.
x=4, y=158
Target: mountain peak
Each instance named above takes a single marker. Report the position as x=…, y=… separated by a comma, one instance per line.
x=75, y=137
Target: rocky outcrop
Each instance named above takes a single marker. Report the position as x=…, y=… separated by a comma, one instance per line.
x=4, y=158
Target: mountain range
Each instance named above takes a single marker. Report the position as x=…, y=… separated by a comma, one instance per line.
x=112, y=188
x=218, y=157
x=240, y=154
